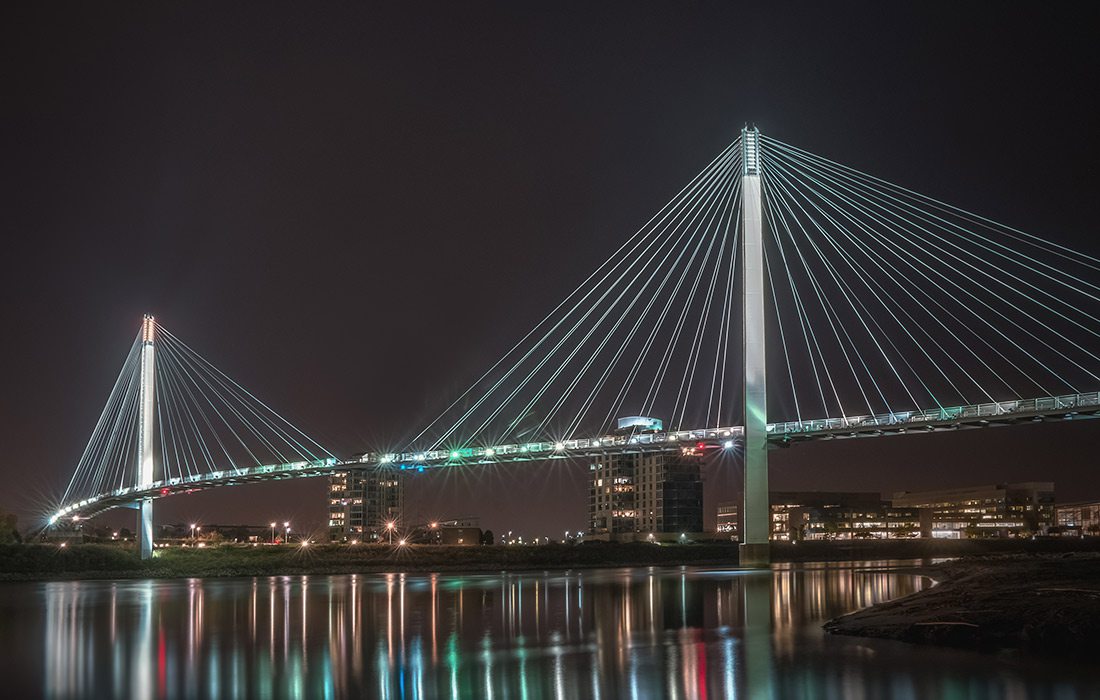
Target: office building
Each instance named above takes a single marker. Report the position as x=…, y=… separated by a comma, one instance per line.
x=790, y=509
x=362, y=502
x=831, y=515
x=456, y=531
x=879, y=521
x=995, y=510
x=1081, y=518
x=729, y=520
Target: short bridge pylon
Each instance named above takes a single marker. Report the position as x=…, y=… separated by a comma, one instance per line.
x=175, y=423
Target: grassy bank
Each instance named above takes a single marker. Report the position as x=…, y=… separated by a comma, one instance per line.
x=41, y=561
x=29, y=562
x=1041, y=603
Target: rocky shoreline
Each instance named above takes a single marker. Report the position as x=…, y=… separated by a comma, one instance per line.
x=1048, y=604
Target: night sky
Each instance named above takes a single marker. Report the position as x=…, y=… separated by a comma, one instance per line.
x=354, y=210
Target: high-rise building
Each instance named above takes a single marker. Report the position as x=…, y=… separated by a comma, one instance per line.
x=995, y=510
x=362, y=502
x=646, y=494
x=668, y=493
x=611, y=496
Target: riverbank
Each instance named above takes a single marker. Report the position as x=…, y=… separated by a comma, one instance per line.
x=1040, y=603
x=44, y=561
x=33, y=562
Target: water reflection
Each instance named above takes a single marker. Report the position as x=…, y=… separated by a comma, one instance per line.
x=633, y=633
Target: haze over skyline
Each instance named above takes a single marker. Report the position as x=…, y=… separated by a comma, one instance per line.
x=354, y=211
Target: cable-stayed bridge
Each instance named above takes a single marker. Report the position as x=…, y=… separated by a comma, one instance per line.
x=873, y=309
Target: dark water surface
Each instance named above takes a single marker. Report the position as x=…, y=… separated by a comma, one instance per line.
x=614, y=633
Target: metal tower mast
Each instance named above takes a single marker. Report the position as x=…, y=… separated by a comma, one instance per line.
x=145, y=437
x=755, y=516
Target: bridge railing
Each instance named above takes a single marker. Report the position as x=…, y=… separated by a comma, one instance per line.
x=1048, y=405
x=1044, y=405
x=193, y=480
x=565, y=448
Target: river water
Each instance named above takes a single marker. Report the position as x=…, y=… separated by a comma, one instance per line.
x=612, y=633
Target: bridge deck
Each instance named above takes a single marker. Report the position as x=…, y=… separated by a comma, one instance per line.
x=1071, y=406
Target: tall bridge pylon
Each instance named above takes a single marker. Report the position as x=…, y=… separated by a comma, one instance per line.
x=146, y=468
x=755, y=521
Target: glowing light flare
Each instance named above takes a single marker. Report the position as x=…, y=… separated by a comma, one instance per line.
x=148, y=324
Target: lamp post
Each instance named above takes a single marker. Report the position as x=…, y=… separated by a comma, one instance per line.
x=272, y=533
x=192, y=532
x=390, y=526
x=286, y=533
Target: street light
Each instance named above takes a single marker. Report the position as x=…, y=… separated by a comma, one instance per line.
x=286, y=534
x=272, y=533
x=390, y=526
x=192, y=532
